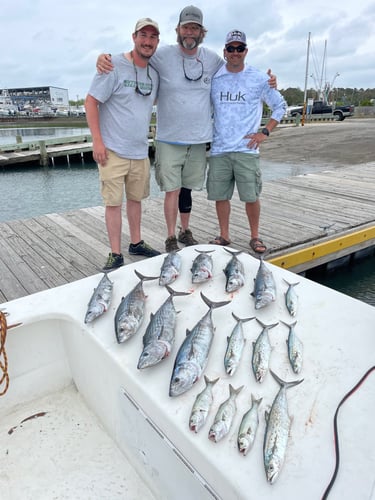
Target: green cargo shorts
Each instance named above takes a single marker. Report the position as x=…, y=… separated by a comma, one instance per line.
x=228, y=169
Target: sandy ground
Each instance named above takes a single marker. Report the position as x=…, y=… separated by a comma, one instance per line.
x=349, y=142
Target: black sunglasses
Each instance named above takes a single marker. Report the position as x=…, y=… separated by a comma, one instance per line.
x=190, y=78
x=232, y=48
x=137, y=89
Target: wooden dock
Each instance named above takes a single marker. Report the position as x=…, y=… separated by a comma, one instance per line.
x=306, y=221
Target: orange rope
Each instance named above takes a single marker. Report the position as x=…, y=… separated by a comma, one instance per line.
x=3, y=355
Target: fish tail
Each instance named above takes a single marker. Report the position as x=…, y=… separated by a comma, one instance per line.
x=145, y=278
x=233, y=391
x=241, y=320
x=214, y=305
x=255, y=401
x=233, y=252
x=174, y=293
x=290, y=325
x=210, y=382
x=266, y=326
x=291, y=284
x=282, y=383
x=204, y=251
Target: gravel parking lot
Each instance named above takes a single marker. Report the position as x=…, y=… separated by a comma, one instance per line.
x=331, y=144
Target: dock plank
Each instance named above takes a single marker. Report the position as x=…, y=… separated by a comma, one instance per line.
x=54, y=249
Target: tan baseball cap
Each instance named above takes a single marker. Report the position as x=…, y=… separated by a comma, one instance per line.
x=146, y=21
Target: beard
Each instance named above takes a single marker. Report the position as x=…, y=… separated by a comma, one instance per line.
x=191, y=44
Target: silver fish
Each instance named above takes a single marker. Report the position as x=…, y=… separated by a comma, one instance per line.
x=100, y=299
x=234, y=272
x=202, y=267
x=236, y=343
x=170, y=268
x=264, y=286
x=159, y=336
x=262, y=352
x=291, y=298
x=129, y=314
x=276, y=436
x=192, y=356
x=248, y=427
x=224, y=416
x=202, y=406
x=295, y=348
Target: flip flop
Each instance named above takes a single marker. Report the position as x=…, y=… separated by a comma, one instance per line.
x=219, y=240
x=257, y=244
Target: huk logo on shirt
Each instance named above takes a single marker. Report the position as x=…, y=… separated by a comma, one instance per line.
x=229, y=97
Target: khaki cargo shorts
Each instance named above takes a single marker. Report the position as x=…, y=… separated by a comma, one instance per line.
x=119, y=173
x=178, y=166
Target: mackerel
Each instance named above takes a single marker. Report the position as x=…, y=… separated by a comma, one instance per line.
x=248, y=427
x=262, y=352
x=234, y=272
x=291, y=298
x=236, y=343
x=159, y=336
x=264, y=286
x=224, y=416
x=202, y=267
x=100, y=299
x=129, y=314
x=295, y=348
x=202, y=406
x=276, y=436
x=170, y=269
x=192, y=356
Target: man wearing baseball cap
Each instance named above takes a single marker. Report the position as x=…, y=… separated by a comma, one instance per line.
x=238, y=92
x=184, y=122
x=118, y=110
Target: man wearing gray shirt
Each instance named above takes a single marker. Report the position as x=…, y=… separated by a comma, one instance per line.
x=118, y=110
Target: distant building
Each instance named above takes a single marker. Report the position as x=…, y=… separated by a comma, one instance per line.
x=33, y=97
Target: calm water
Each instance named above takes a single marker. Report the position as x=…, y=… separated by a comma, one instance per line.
x=29, y=192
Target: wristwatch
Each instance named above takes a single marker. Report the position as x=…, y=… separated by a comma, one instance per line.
x=265, y=131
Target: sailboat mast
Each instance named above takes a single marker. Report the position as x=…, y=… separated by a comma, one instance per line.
x=306, y=76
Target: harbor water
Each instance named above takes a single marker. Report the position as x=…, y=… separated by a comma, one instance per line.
x=30, y=192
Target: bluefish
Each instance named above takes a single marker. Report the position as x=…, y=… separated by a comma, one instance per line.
x=224, y=416
x=202, y=267
x=234, y=272
x=295, y=348
x=264, y=286
x=236, y=342
x=276, y=436
x=291, y=298
x=202, y=406
x=100, y=299
x=192, y=356
x=262, y=352
x=170, y=269
x=129, y=314
x=248, y=427
x=159, y=336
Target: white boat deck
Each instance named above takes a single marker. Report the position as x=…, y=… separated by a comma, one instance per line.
x=54, y=348
x=54, y=447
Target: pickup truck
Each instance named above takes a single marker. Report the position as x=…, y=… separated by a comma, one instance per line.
x=321, y=108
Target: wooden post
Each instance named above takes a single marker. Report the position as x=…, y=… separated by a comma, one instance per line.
x=43, y=154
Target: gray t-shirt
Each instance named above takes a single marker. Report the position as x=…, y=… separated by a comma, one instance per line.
x=124, y=115
x=183, y=107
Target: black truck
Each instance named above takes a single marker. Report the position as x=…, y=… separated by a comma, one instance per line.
x=322, y=108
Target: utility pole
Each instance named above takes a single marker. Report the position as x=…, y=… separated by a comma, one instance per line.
x=306, y=75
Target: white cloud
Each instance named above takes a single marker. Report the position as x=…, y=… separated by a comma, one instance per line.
x=57, y=43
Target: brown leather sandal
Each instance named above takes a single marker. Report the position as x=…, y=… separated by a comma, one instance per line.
x=257, y=245
x=219, y=240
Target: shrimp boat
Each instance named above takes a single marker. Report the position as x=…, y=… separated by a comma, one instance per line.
x=79, y=420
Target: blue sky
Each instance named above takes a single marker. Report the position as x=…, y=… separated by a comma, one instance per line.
x=45, y=42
